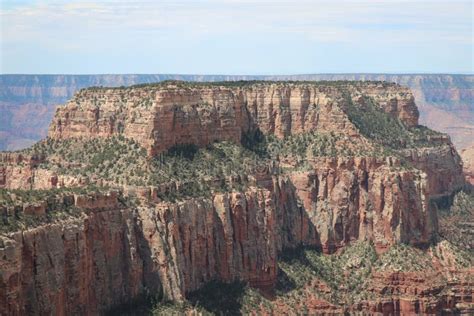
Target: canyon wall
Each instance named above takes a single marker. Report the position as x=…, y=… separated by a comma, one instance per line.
x=365, y=199
x=468, y=160
x=74, y=267
x=112, y=254
x=28, y=102
x=161, y=117
x=442, y=164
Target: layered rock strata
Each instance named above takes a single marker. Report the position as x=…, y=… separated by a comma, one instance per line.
x=161, y=117
x=468, y=163
x=114, y=253
x=365, y=199
x=415, y=293
x=111, y=255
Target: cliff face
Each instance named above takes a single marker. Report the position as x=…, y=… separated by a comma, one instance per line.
x=76, y=267
x=365, y=199
x=28, y=102
x=162, y=117
x=324, y=183
x=468, y=163
x=420, y=293
x=442, y=165
x=112, y=254
x=232, y=237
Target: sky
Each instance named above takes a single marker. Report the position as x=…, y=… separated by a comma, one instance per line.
x=236, y=37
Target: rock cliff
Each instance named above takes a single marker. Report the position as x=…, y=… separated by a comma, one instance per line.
x=193, y=183
x=468, y=163
x=112, y=254
x=28, y=102
x=170, y=114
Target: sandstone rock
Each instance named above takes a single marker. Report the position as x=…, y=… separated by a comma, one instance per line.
x=468, y=162
x=113, y=254
x=97, y=201
x=442, y=166
x=409, y=293
x=35, y=209
x=180, y=246
x=161, y=117
x=82, y=266
x=365, y=200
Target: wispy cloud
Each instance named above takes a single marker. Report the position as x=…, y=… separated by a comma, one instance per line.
x=93, y=25
x=318, y=20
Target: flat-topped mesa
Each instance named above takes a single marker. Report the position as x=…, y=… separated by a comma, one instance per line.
x=176, y=223
x=162, y=115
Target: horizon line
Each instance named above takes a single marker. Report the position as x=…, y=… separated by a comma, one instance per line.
x=239, y=75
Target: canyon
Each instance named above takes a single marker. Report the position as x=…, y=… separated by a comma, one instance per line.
x=321, y=195
x=28, y=102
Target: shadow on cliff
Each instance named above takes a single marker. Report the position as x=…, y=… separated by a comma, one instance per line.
x=285, y=283
x=219, y=298
x=151, y=290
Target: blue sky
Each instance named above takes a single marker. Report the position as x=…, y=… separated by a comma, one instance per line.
x=236, y=36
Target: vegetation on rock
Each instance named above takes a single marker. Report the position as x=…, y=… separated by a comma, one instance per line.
x=55, y=204
x=386, y=130
x=345, y=196
x=456, y=220
x=306, y=274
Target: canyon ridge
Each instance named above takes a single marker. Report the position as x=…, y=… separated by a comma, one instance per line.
x=244, y=197
x=28, y=102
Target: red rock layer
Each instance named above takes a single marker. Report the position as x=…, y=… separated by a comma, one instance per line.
x=442, y=165
x=160, y=117
x=112, y=255
x=418, y=293
x=75, y=267
x=350, y=199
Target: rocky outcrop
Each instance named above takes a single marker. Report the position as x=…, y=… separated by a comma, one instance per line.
x=26, y=177
x=113, y=254
x=366, y=199
x=442, y=165
x=415, y=293
x=468, y=163
x=110, y=255
x=232, y=237
x=75, y=267
x=162, y=116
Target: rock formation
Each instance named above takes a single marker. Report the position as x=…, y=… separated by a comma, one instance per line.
x=468, y=163
x=28, y=102
x=85, y=253
x=162, y=117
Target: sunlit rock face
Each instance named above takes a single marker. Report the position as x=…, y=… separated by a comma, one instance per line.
x=161, y=117
x=116, y=251
x=468, y=163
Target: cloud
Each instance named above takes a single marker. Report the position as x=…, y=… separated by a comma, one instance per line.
x=331, y=21
x=93, y=27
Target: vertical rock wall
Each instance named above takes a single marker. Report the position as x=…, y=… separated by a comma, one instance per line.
x=112, y=256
